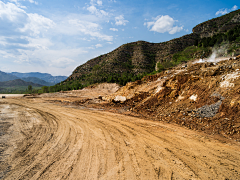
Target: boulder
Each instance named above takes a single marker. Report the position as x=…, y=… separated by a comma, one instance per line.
x=119, y=99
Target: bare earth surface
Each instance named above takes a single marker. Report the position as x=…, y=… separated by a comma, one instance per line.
x=41, y=140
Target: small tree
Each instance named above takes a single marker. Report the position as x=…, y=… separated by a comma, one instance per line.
x=45, y=89
x=30, y=88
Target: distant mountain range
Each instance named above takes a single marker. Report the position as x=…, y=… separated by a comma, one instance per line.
x=6, y=77
x=42, y=79
x=37, y=81
x=43, y=76
x=17, y=82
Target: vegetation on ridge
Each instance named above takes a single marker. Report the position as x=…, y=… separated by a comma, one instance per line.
x=132, y=61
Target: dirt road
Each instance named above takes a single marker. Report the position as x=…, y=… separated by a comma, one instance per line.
x=45, y=141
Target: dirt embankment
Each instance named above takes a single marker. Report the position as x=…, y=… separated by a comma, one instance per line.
x=43, y=140
x=200, y=96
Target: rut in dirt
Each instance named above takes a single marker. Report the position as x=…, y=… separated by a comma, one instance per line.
x=53, y=142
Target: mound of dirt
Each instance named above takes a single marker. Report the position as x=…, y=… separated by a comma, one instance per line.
x=201, y=96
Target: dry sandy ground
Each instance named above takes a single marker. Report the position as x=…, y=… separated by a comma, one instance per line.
x=41, y=140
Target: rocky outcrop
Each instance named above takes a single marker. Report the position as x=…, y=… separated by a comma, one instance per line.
x=218, y=25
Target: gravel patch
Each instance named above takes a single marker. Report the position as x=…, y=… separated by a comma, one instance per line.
x=210, y=110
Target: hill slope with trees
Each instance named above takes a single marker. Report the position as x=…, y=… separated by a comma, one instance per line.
x=132, y=61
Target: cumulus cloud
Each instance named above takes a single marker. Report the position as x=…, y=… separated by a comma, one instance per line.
x=113, y=29
x=98, y=45
x=89, y=28
x=15, y=20
x=226, y=10
x=33, y=2
x=120, y=20
x=99, y=2
x=34, y=40
x=234, y=8
x=162, y=24
x=21, y=31
x=17, y=2
x=92, y=9
x=37, y=24
x=222, y=11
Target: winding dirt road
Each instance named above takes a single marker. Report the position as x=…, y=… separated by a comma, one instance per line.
x=40, y=140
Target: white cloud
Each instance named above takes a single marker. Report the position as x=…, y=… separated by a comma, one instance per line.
x=113, y=29
x=33, y=2
x=98, y=45
x=18, y=4
x=226, y=10
x=162, y=24
x=99, y=2
x=37, y=24
x=17, y=20
x=92, y=9
x=39, y=43
x=175, y=30
x=96, y=2
x=222, y=11
x=11, y=13
x=120, y=20
x=89, y=28
x=21, y=31
x=234, y=8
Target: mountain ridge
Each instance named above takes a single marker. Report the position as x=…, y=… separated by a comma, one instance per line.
x=6, y=77
x=131, y=60
x=43, y=76
x=37, y=81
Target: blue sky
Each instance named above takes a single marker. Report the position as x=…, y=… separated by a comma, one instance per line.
x=56, y=36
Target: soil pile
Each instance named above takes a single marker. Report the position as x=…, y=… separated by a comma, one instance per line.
x=201, y=96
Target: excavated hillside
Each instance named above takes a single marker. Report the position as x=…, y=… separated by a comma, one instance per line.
x=139, y=58
x=200, y=95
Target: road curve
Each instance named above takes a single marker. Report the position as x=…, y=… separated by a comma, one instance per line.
x=47, y=141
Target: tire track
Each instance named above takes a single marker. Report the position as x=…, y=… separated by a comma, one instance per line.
x=66, y=143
